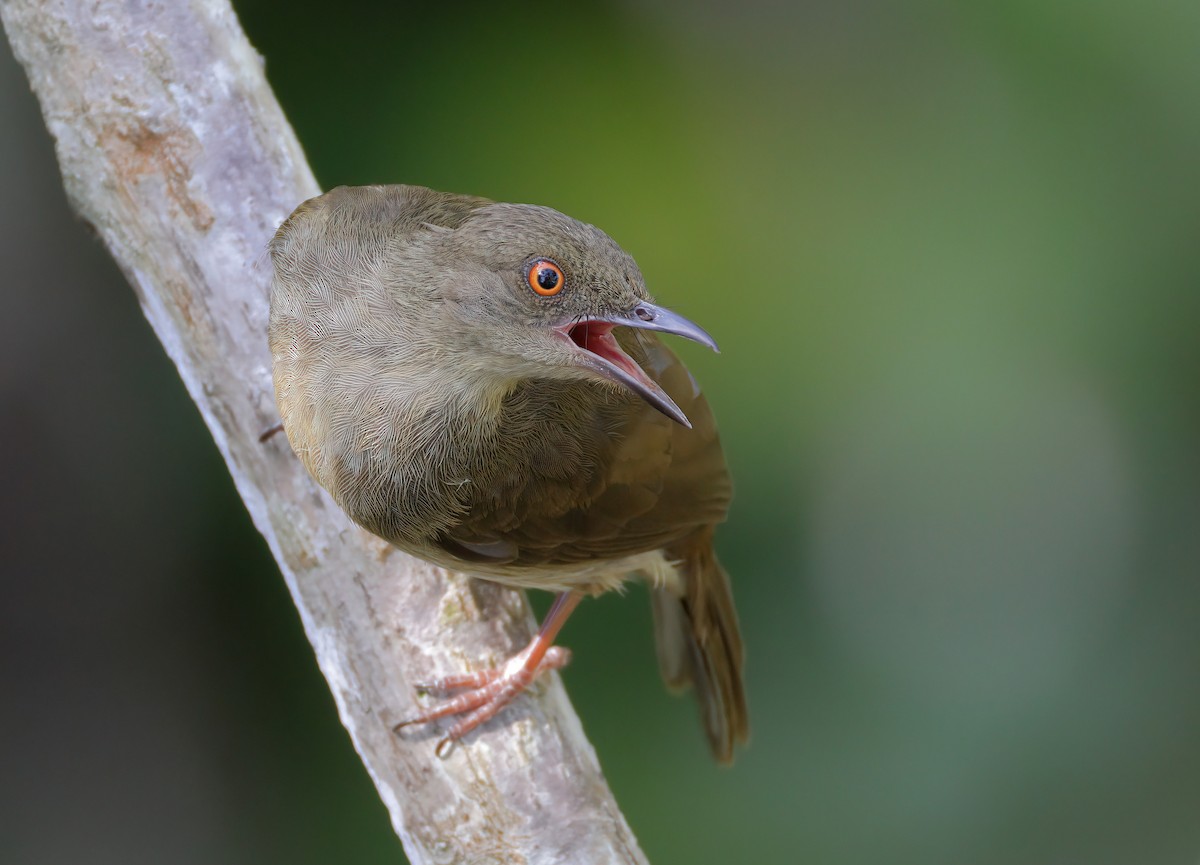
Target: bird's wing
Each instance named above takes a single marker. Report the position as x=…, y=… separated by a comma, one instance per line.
x=623, y=481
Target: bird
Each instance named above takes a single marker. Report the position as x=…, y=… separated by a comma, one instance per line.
x=482, y=385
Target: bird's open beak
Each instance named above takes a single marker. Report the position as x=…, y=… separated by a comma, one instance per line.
x=603, y=355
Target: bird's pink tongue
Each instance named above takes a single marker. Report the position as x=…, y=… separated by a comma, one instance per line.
x=597, y=338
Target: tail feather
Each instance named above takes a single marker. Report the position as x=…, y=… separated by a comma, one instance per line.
x=699, y=642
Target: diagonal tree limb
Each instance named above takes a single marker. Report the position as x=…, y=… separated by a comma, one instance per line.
x=173, y=147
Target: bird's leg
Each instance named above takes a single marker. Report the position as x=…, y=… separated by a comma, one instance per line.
x=486, y=693
x=270, y=432
x=556, y=657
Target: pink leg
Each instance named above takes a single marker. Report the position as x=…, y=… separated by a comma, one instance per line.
x=268, y=433
x=488, y=692
x=556, y=658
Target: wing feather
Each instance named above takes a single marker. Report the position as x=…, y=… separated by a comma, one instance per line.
x=635, y=481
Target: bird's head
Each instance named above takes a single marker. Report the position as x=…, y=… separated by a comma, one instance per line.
x=539, y=293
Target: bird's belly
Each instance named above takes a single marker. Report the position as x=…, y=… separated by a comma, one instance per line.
x=592, y=576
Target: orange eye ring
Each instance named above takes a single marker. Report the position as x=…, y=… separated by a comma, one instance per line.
x=545, y=277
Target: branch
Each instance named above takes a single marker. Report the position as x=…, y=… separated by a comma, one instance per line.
x=172, y=145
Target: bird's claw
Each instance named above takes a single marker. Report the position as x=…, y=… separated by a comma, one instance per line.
x=483, y=695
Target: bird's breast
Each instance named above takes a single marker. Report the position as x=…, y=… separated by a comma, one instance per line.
x=414, y=458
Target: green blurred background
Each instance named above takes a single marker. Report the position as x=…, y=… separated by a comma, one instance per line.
x=951, y=251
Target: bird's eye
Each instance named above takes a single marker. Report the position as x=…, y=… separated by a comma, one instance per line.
x=545, y=277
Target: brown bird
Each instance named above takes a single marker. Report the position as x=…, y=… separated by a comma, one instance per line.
x=481, y=385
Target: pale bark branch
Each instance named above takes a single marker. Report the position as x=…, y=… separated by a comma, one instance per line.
x=172, y=145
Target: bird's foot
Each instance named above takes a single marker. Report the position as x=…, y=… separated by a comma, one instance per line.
x=485, y=693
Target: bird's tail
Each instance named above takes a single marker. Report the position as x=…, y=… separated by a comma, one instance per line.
x=699, y=643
